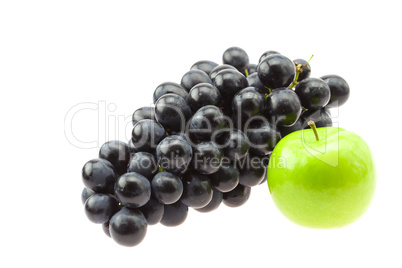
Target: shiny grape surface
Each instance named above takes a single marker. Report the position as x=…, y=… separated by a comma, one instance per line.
x=206, y=141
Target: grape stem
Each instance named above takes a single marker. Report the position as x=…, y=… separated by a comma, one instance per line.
x=314, y=128
x=246, y=72
x=160, y=169
x=299, y=69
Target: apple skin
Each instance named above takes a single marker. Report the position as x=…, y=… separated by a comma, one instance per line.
x=322, y=184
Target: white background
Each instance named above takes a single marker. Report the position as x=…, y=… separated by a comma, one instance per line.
x=57, y=54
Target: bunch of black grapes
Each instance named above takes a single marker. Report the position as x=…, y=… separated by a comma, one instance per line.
x=206, y=141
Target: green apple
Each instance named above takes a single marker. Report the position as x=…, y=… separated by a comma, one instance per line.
x=322, y=178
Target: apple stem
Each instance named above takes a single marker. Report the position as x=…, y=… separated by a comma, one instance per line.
x=314, y=128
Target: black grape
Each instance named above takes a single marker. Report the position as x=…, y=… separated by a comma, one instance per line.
x=283, y=107
x=174, y=154
x=207, y=122
x=266, y=54
x=144, y=163
x=313, y=93
x=254, y=81
x=262, y=137
x=229, y=82
x=226, y=178
x=194, y=77
x=247, y=103
x=99, y=175
x=197, y=190
x=214, y=204
x=146, y=112
x=167, y=187
x=204, y=94
x=169, y=87
x=207, y=157
x=204, y=65
x=237, y=197
x=105, y=228
x=276, y=71
x=172, y=112
x=252, y=171
x=147, y=134
x=339, y=90
x=234, y=144
x=128, y=227
x=175, y=214
x=99, y=208
x=133, y=190
x=117, y=153
x=236, y=57
x=153, y=211
x=85, y=194
x=320, y=117
x=219, y=68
